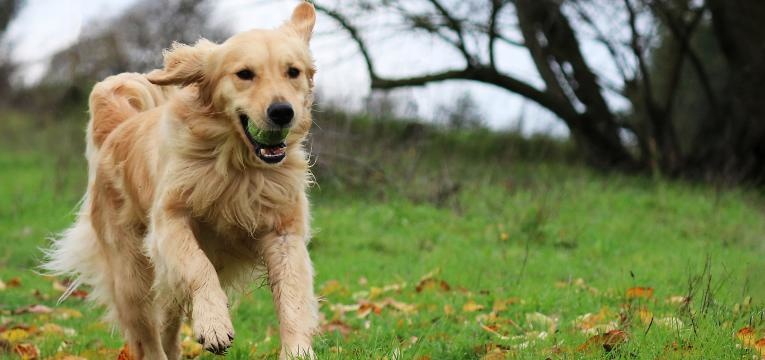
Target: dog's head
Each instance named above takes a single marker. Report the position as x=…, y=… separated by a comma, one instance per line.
x=260, y=81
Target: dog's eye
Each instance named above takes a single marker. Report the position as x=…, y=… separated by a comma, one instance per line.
x=245, y=74
x=293, y=72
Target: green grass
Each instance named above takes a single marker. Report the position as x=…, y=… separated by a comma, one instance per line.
x=550, y=240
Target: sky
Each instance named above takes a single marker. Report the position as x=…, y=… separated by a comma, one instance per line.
x=46, y=26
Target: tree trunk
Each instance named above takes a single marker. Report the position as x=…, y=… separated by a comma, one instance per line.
x=741, y=35
x=555, y=49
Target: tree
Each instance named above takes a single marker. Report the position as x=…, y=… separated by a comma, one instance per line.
x=462, y=113
x=554, y=31
x=134, y=40
x=8, y=10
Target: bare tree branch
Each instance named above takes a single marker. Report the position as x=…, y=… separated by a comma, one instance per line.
x=354, y=33
x=683, y=33
x=456, y=26
x=496, y=7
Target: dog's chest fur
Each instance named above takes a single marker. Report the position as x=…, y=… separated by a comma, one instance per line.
x=252, y=201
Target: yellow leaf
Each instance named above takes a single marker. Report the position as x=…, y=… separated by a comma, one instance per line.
x=502, y=304
x=14, y=335
x=747, y=336
x=66, y=313
x=332, y=287
x=494, y=354
x=448, y=309
x=191, y=349
x=759, y=346
x=645, y=315
x=639, y=292
x=375, y=292
x=186, y=330
x=51, y=329
x=471, y=306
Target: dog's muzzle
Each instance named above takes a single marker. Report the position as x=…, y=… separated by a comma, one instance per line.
x=269, y=145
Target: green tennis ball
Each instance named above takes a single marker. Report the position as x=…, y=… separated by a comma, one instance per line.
x=267, y=137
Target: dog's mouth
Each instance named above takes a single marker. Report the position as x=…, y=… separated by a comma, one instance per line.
x=269, y=145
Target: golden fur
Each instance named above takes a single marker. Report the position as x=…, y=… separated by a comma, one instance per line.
x=179, y=208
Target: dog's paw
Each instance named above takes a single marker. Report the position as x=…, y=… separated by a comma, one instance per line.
x=214, y=332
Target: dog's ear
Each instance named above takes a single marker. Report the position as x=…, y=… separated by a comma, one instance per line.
x=184, y=64
x=302, y=20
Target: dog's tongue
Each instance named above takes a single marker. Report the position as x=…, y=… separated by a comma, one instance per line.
x=272, y=151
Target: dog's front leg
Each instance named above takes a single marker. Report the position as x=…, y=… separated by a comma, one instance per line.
x=290, y=275
x=184, y=270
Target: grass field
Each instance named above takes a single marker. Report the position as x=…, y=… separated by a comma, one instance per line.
x=525, y=260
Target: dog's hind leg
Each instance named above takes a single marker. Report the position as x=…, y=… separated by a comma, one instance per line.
x=135, y=308
x=172, y=318
x=130, y=273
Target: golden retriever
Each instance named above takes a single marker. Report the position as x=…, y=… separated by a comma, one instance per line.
x=197, y=183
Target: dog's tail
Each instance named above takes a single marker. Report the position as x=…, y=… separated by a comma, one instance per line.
x=76, y=253
x=117, y=98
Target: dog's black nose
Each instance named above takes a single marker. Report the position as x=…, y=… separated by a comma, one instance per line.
x=280, y=113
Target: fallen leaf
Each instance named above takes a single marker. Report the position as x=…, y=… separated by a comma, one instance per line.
x=332, y=287
x=759, y=346
x=492, y=351
x=578, y=284
x=13, y=283
x=639, y=292
x=669, y=322
x=124, y=353
x=27, y=351
x=448, y=310
x=607, y=341
x=337, y=326
x=14, y=335
x=494, y=330
x=59, y=286
x=186, y=330
x=79, y=294
x=432, y=283
x=66, y=313
x=2, y=285
x=645, y=315
x=51, y=329
x=502, y=304
x=593, y=324
x=398, y=305
x=539, y=321
x=191, y=349
x=471, y=306
x=367, y=307
x=33, y=309
x=747, y=336
x=678, y=300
